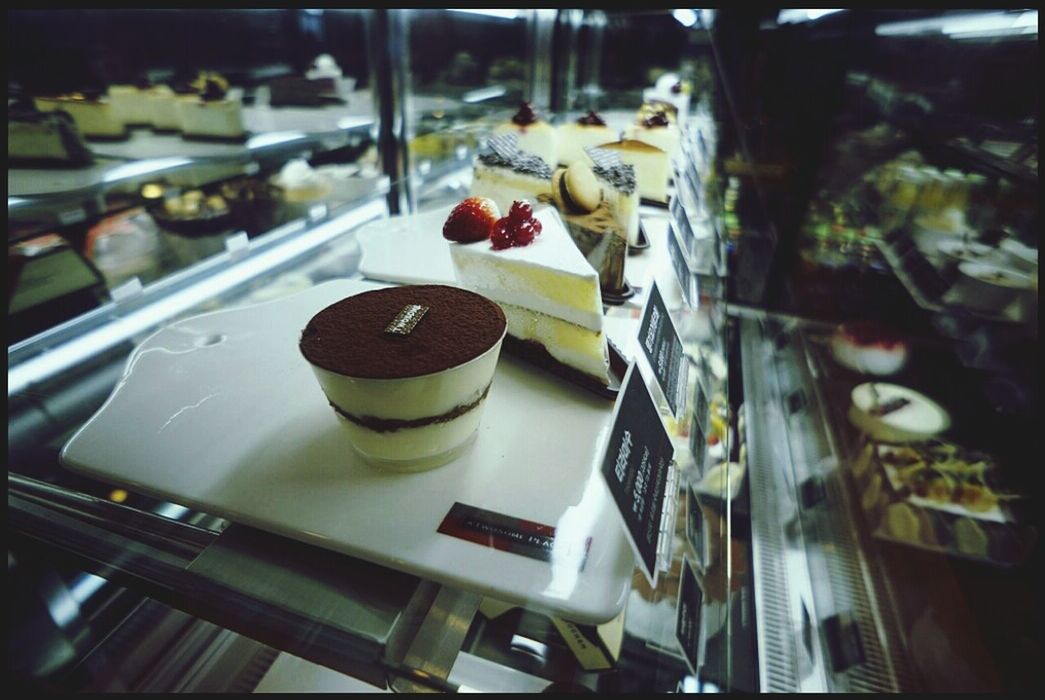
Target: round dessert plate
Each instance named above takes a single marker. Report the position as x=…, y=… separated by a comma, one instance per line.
x=894, y=413
x=221, y=413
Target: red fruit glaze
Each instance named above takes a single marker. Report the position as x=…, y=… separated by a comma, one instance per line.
x=471, y=220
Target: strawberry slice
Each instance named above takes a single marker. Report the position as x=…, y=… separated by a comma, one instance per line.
x=471, y=220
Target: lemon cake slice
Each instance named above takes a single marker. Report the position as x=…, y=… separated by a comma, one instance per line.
x=549, y=292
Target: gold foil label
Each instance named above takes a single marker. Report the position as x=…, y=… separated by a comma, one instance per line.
x=406, y=320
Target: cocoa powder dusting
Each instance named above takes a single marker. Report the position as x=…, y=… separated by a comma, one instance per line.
x=348, y=337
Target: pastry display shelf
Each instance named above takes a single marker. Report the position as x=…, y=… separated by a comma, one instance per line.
x=62, y=196
x=812, y=567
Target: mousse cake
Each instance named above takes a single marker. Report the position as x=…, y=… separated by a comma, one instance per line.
x=533, y=134
x=531, y=267
x=408, y=369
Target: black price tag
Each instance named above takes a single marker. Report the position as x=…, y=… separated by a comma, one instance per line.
x=687, y=615
x=663, y=348
x=679, y=265
x=695, y=526
x=636, y=465
x=700, y=406
x=697, y=442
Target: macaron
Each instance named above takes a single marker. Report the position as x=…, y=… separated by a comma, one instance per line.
x=575, y=188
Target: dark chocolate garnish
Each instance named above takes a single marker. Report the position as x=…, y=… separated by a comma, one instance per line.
x=611, y=168
x=504, y=152
x=212, y=91
x=525, y=115
x=592, y=119
x=890, y=406
x=656, y=119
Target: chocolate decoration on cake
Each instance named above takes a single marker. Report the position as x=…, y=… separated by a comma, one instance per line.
x=212, y=91
x=592, y=119
x=609, y=166
x=387, y=425
x=525, y=116
x=504, y=151
x=348, y=337
x=406, y=320
x=656, y=119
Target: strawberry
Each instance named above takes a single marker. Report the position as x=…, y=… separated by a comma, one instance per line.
x=471, y=220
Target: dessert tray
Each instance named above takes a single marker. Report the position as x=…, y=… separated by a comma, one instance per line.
x=221, y=413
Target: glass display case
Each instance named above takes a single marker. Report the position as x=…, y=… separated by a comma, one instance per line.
x=186, y=513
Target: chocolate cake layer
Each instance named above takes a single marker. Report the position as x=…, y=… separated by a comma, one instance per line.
x=350, y=337
x=387, y=425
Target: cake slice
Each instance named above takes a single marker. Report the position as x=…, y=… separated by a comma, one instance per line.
x=657, y=129
x=504, y=173
x=548, y=291
x=619, y=188
x=534, y=135
x=652, y=167
x=574, y=137
x=210, y=114
x=94, y=114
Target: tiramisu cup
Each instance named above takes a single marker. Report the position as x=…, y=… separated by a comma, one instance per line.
x=407, y=369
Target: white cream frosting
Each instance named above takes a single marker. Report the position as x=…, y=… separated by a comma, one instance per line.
x=519, y=275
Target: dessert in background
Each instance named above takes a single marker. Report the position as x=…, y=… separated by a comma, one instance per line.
x=324, y=67
x=869, y=347
x=574, y=137
x=256, y=205
x=670, y=90
x=34, y=136
x=407, y=369
x=162, y=113
x=657, y=129
x=211, y=113
x=504, y=173
x=533, y=134
x=302, y=91
x=192, y=213
x=893, y=413
x=125, y=245
x=302, y=186
x=131, y=103
x=530, y=266
x=93, y=113
x=652, y=167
